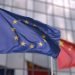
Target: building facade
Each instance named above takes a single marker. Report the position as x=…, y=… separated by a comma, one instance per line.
x=57, y=13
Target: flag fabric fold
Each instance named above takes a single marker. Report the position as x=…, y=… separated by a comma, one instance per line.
x=66, y=58
x=23, y=34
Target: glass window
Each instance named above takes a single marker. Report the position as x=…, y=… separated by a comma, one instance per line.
x=59, y=11
x=30, y=4
x=67, y=13
x=58, y=2
x=41, y=0
x=1, y=6
x=19, y=72
x=28, y=56
x=41, y=17
x=1, y=2
x=49, y=9
x=15, y=61
x=73, y=73
x=19, y=11
x=66, y=3
x=63, y=34
x=59, y=22
x=40, y=7
x=73, y=68
x=63, y=73
x=50, y=21
x=49, y=1
x=70, y=36
x=19, y=4
x=72, y=14
x=8, y=2
x=7, y=8
x=42, y=60
x=6, y=71
x=29, y=13
x=73, y=24
x=3, y=59
x=68, y=24
x=25, y=72
x=72, y=3
x=73, y=35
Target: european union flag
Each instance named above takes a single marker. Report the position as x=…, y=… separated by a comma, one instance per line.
x=19, y=34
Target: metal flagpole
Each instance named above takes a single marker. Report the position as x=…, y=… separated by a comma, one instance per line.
x=51, y=66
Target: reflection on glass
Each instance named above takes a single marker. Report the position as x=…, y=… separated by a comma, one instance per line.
x=59, y=11
x=59, y=22
x=41, y=17
x=20, y=4
x=37, y=7
x=58, y=2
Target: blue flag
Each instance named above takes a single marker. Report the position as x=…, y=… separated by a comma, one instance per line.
x=19, y=34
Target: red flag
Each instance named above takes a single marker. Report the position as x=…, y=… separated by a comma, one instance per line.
x=66, y=58
x=38, y=70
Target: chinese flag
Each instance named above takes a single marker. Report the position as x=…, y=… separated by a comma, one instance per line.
x=38, y=70
x=66, y=58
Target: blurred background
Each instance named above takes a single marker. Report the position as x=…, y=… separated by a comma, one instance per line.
x=57, y=13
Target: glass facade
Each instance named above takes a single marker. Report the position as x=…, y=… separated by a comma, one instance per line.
x=57, y=13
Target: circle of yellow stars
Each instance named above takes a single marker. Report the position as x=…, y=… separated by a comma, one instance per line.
x=23, y=43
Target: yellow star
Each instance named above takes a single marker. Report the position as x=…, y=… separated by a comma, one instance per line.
x=26, y=22
x=23, y=43
x=34, y=25
x=44, y=40
x=40, y=44
x=31, y=46
x=15, y=21
x=13, y=29
x=61, y=43
x=16, y=37
x=70, y=48
x=30, y=65
x=43, y=36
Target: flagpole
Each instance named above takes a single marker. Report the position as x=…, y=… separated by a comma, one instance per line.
x=51, y=66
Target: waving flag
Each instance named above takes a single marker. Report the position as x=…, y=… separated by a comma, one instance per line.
x=66, y=58
x=23, y=34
